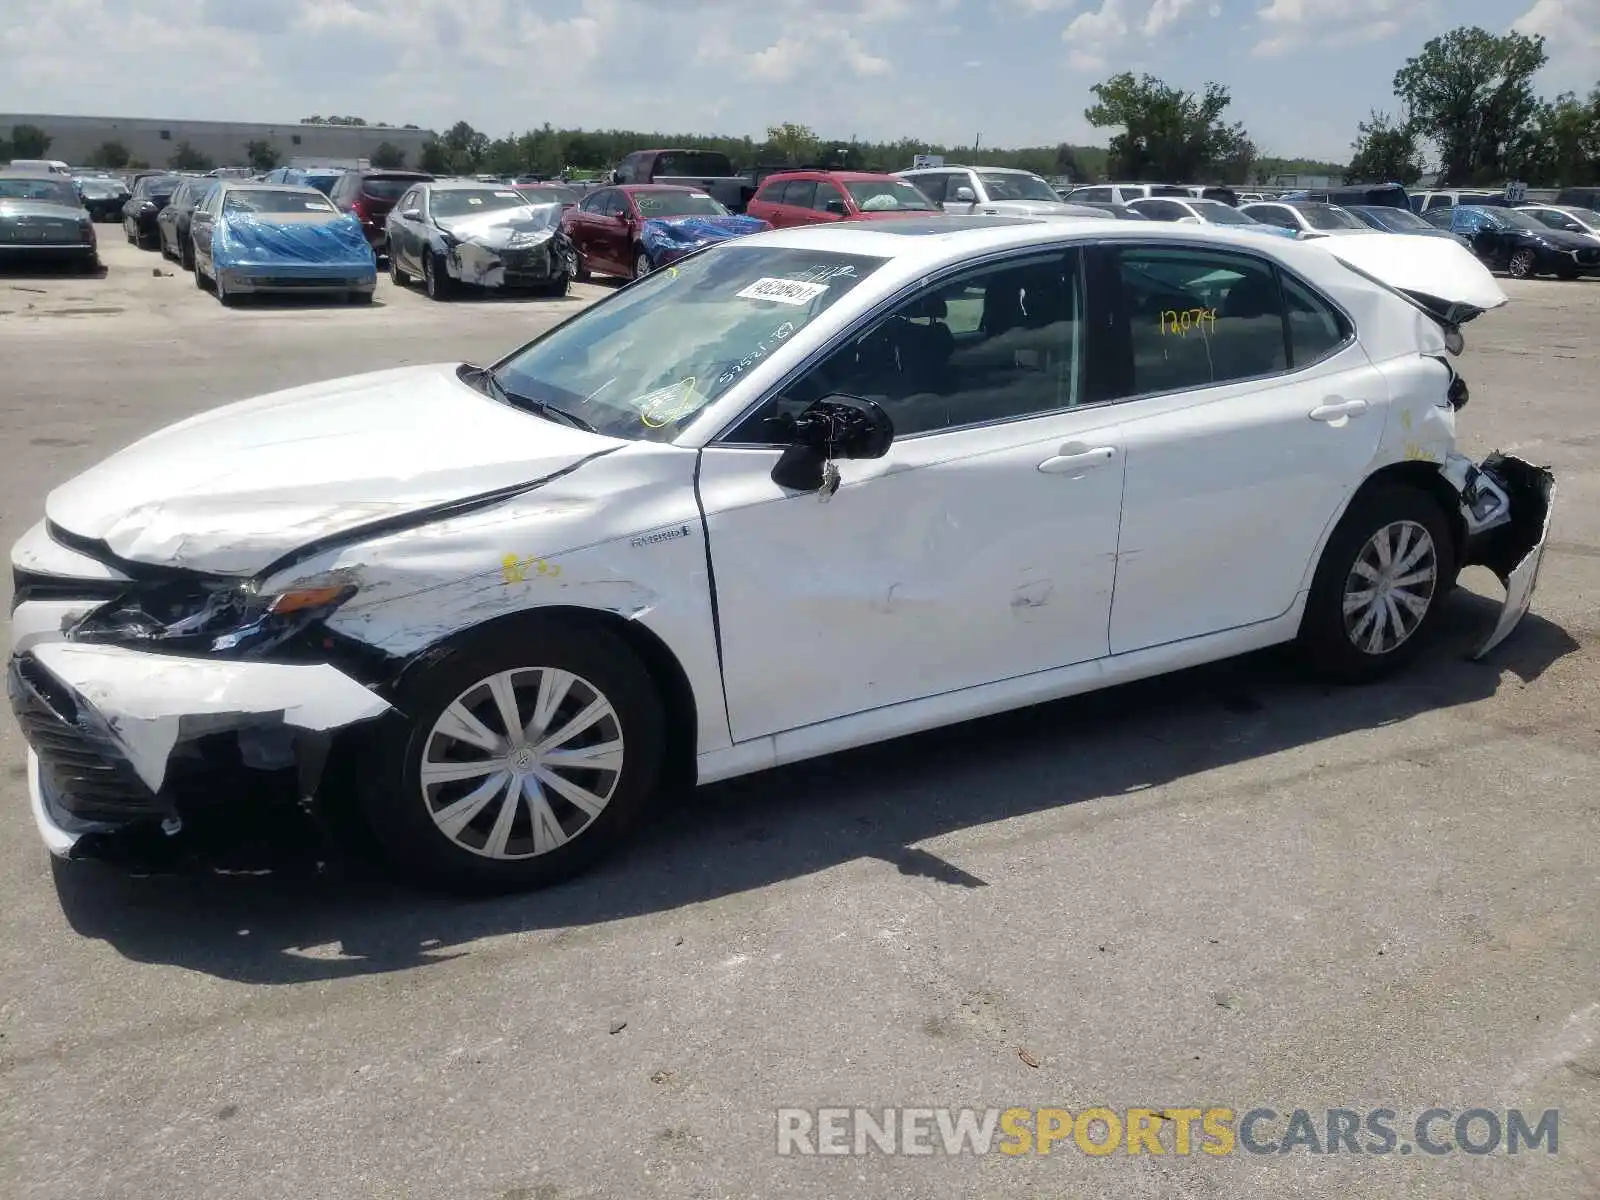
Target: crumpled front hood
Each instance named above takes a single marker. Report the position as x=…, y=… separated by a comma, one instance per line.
x=499, y=228
x=232, y=490
x=1440, y=273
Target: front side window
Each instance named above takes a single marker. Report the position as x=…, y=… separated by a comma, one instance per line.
x=594, y=202
x=800, y=192
x=1215, y=212
x=1274, y=214
x=1199, y=318
x=644, y=362
x=993, y=343
x=1160, y=210
x=825, y=193
x=932, y=186
x=1329, y=216
x=771, y=192
x=1094, y=195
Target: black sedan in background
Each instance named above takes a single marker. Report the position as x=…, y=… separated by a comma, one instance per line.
x=103, y=197
x=150, y=195
x=1516, y=243
x=1388, y=219
x=173, y=221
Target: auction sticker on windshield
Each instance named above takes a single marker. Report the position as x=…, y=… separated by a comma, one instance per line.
x=783, y=291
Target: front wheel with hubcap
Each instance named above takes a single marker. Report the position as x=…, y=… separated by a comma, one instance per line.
x=435, y=278
x=1390, y=561
x=525, y=760
x=641, y=265
x=1521, y=265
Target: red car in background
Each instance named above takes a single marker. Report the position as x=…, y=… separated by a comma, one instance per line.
x=813, y=197
x=369, y=195
x=632, y=229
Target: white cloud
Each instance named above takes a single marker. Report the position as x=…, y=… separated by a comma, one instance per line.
x=1571, y=30
x=1291, y=24
x=1097, y=36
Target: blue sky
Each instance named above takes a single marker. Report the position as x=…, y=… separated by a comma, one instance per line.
x=1302, y=72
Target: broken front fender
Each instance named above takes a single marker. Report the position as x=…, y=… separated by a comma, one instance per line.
x=1506, y=503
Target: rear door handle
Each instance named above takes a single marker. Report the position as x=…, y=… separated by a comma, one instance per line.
x=1075, y=456
x=1336, y=409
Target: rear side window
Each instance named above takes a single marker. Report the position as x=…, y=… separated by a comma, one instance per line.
x=771, y=193
x=1200, y=318
x=1315, y=328
x=931, y=186
x=1094, y=195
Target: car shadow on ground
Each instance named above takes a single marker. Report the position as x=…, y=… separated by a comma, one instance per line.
x=293, y=301
x=22, y=272
x=308, y=921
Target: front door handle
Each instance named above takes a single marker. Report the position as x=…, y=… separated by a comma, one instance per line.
x=1077, y=457
x=1335, y=410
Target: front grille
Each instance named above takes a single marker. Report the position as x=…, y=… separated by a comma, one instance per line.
x=302, y=281
x=91, y=778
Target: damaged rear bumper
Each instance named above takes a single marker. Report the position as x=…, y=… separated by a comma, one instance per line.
x=1506, y=504
x=121, y=738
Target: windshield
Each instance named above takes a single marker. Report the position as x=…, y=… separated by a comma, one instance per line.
x=464, y=202
x=887, y=195
x=641, y=364
x=1510, y=218
x=100, y=188
x=265, y=201
x=1328, y=216
x=677, y=204
x=549, y=195
x=51, y=191
x=1003, y=185
x=162, y=187
x=694, y=162
x=1217, y=213
x=1586, y=216
x=1398, y=218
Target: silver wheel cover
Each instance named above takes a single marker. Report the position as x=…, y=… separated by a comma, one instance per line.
x=521, y=763
x=1390, y=587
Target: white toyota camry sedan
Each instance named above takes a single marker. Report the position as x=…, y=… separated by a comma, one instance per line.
x=801, y=491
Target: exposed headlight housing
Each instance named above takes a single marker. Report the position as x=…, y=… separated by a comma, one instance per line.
x=198, y=618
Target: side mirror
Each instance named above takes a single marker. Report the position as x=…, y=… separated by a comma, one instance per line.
x=836, y=426
x=837, y=208
x=616, y=177
x=411, y=214
x=965, y=195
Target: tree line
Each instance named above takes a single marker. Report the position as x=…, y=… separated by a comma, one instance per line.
x=1467, y=103
x=1466, y=100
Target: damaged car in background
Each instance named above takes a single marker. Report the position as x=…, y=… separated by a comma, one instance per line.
x=449, y=233
x=251, y=238
x=807, y=490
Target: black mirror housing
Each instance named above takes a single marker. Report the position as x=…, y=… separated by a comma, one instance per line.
x=836, y=426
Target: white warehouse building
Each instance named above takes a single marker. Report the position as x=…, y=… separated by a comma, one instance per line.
x=75, y=139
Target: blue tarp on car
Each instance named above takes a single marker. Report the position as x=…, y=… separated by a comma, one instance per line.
x=667, y=235
x=336, y=244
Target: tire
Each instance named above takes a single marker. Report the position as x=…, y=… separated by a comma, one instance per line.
x=436, y=280
x=224, y=297
x=400, y=810
x=186, y=254
x=1522, y=265
x=396, y=276
x=199, y=279
x=1342, y=647
x=641, y=263
x=128, y=233
x=556, y=288
x=360, y=297
x=581, y=274
x=161, y=244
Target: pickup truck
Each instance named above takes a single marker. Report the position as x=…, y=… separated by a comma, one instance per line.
x=705, y=170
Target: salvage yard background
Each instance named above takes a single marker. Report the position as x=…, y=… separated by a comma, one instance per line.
x=1232, y=886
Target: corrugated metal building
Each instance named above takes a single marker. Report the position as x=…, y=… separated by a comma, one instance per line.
x=75, y=139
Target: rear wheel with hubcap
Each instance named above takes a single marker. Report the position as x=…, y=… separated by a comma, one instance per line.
x=435, y=277
x=1377, y=589
x=641, y=264
x=396, y=276
x=525, y=759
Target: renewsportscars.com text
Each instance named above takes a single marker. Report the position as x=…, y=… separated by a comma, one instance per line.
x=1214, y=1131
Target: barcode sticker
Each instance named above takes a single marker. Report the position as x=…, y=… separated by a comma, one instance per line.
x=783, y=291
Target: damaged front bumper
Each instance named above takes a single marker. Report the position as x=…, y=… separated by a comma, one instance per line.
x=1506, y=505
x=120, y=737
x=541, y=265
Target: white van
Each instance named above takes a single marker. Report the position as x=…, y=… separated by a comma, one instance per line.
x=42, y=166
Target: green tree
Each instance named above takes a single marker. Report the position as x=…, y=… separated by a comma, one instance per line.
x=1562, y=145
x=795, y=143
x=186, y=158
x=111, y=155
x=262, y=155
x=433, y=158
x=1470, y=92
x=388, y=157
x=1384, y=152
x=29, y=141
x=1167, y=134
